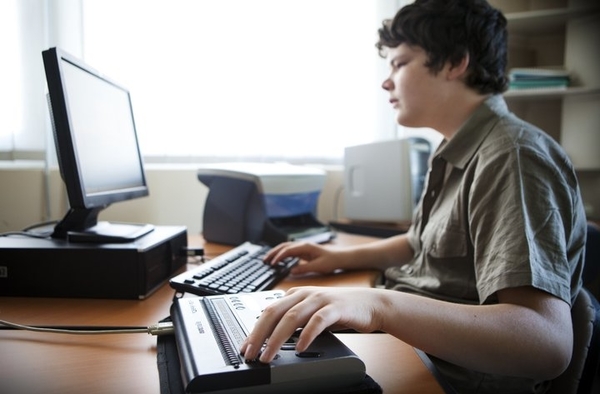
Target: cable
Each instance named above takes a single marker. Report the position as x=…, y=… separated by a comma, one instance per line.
x=25, y=234
x=42, y=224
x=161, y=328
x=28, y=231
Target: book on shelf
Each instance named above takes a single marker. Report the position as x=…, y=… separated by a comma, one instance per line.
x=538, y=78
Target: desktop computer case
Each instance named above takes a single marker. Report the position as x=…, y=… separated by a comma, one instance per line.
x=56, y=268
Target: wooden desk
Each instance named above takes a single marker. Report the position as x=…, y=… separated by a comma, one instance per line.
x=126, y=363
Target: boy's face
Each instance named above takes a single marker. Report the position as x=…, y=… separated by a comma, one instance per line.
x=413, y=88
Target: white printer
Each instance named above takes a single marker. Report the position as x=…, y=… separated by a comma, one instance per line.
x=262, y=203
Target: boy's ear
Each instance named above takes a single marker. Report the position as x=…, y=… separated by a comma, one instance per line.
x=459, y=70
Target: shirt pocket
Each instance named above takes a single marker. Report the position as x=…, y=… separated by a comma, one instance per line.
x=448, y=262
x=445, y=242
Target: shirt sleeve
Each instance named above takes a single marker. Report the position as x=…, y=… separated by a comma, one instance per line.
x=521, y=210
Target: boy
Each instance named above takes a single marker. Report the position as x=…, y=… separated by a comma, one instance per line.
x=484, y=279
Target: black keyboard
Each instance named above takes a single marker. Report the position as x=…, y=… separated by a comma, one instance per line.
x=240, y=270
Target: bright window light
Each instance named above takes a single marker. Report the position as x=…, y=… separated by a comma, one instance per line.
x=10, y=76
x=258, y=79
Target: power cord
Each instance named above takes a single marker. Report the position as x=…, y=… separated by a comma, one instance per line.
x=26, y=234
x=161, y=328
x=30, y=230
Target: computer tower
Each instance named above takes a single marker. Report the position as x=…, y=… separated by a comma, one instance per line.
x=49, y=267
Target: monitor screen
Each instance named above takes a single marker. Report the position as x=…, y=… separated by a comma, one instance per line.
x=97, y=147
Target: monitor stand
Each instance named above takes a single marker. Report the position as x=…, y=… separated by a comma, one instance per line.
x=82, y=225
x=107, y=232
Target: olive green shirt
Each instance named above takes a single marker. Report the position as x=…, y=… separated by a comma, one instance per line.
x=509, y=214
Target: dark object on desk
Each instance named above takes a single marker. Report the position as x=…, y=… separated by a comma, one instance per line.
x=97, y=148
x=35, y=267
x=240, y=270
x=379, y=230
x=261, y=203
x=209, y=332
x=170, y=376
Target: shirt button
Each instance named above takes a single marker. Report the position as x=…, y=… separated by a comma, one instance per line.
x=407, y=269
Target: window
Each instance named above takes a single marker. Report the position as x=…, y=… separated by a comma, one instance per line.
x=245, y=79
x=22, y=99
x=210, y=79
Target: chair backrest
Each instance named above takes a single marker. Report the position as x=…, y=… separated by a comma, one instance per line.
x=591, y=268
x=581, y=375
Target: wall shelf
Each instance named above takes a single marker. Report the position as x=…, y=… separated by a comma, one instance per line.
x=546, y=19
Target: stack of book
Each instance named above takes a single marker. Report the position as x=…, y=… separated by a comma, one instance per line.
x=538, y=78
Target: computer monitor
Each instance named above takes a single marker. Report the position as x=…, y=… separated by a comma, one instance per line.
x=383, y=181
x=97, y=148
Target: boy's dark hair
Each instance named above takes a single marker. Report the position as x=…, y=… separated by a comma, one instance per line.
x=448, y=30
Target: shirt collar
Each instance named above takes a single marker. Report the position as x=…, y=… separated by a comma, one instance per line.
x=459, y=150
